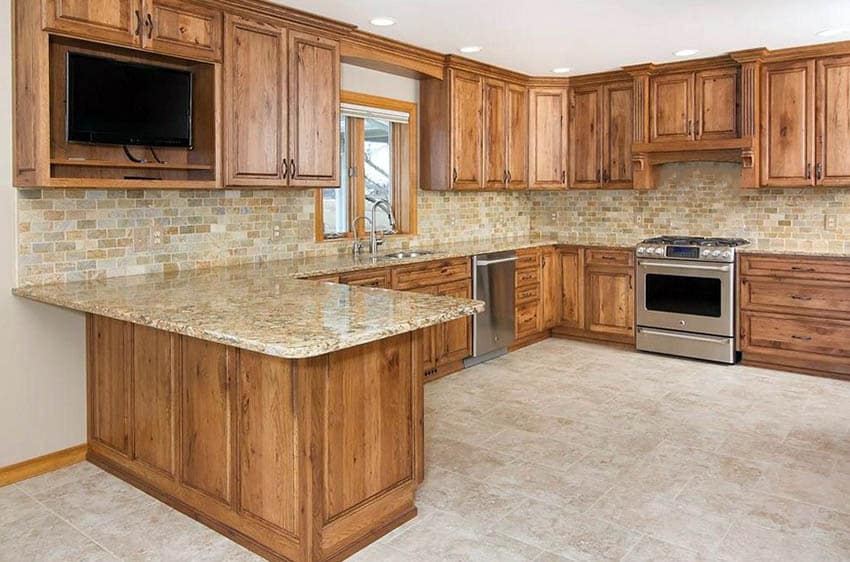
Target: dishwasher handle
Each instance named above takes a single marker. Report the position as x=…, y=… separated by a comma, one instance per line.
x=485, y=263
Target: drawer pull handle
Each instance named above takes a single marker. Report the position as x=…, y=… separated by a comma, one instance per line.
x=803, y=338
x=800, y=298
x=608, y=258
x=803, y=269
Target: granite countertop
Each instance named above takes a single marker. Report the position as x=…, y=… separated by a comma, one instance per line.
x=839, y=249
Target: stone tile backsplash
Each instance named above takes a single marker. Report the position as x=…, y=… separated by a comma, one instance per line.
x=67, y=235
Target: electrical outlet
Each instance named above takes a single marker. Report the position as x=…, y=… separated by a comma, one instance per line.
x=830, y=222
x=276, y=232
x=156, y=238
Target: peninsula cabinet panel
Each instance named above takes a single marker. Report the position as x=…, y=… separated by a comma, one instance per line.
x=206, y=407
x=610, y=301
x=833, y=122
x=617, y=132
x=671, y=107
x=548, y=138
x=716, y=114
x=154, y=401
x=109, y=383
x=113, y=21
x=517, y=140
x=255, y=103
x=572, y=287
x=788, y=124
x=314, y=85
x=585, y=138
x=182, y=29
x=495, y=134
x=455, y=338
x=467, y=105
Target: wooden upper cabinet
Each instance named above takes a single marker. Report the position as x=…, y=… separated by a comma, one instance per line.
x=585, y=137
x=517, y=140
x=716, y=104
x=548, y=136
x=182, y=29
x=314, y=85
x=671, y=107
x=495, y=134
x=115, y=21
x=788, y=123
x=467, y=105
x=617, y=134
x=255, y=103
x=833, y=122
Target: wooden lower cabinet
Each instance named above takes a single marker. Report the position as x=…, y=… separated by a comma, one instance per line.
x=300, y=460
x=597, y=293
x=538, y=289
x=795, y=313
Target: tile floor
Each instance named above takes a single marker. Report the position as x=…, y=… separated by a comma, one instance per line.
x=561, y=451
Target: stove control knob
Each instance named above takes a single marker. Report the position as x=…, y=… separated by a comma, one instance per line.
x=727, y=254
x=706, y=253
x=715, y=253
x=659, y=251
x=641, y=250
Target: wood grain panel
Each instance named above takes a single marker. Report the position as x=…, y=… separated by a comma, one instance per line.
x=671, y=107
x=716, y=104
x=617, y=132
x=370, y=424
x=114, y=21
x=467, y=129
x=796, y=267
x=155, y=398
x=456, y=335
x=517, y=159
x=183, y=29
x=548, y=138
x=371, y=278
x=550, y=283
x=796, y=334
x=269, y=473
x=109, y=380
x=495, y=134
x=610, y=300
x=206, y=424
x=585, y=137
x=413, y=276
x=833, y=122
x=572, y=287
x=825, y=298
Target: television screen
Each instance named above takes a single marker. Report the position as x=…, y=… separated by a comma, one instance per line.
x=115, y=102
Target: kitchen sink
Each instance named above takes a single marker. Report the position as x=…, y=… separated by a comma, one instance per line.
x=406, y=255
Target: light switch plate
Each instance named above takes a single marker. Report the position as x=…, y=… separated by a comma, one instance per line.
x=830, y=222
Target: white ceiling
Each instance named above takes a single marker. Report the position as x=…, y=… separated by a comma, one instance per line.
x=534, y=36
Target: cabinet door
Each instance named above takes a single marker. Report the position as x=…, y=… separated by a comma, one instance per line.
x=313, y=111
x=115, y=21
x=550, y=281
x=833, y=121
x=585, y=138
x=788, y=123
x=547, y=133
x=716, y=104
x=495, y=134
x=254, y=103
x=178, y=28
x=572, y=287
x=617, y=134
x=517, y=137
x=467, y=130
x=610, y=300
x=454, y=341
x=671, y=109
x=430, y=335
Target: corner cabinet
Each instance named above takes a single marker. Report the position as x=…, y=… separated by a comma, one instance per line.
x=547, y=135
x=281, y=107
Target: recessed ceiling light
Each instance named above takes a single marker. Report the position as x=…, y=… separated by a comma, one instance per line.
x=685, y=52
x=382, y=21
x=832, y=32
x=471, y=49
x=561, y=70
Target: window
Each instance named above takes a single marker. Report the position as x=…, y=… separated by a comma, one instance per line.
x=378, y=150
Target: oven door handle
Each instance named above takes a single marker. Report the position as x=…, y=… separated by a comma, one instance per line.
x=684, y=266
x=709, y=339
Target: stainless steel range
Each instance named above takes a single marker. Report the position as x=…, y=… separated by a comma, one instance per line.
x=686, y=297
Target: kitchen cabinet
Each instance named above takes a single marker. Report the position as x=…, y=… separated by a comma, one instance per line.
x=550, y=283
x=454, y=338
x=495, y=134
x=832, y=166
x=548, y=138
x=517, y=137
x=281, y=107
x=571, y=264
x=600, y=136
x=694, y=106
x=467, y=129
x=610, y=300
x=377, y=278
x=527, y=317
x=173, y=27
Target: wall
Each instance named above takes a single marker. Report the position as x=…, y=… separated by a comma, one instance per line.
x=699, y=199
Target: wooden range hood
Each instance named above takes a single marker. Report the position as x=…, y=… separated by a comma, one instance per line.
x=648, y=153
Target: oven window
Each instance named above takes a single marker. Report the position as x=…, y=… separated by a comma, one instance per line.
x=699, y=296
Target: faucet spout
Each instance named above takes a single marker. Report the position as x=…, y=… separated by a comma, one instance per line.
x=374, y=242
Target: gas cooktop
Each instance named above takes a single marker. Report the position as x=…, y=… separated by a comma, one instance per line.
x=697, y=241
x=690, y=248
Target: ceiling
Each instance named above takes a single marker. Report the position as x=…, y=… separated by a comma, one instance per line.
x=535, y=36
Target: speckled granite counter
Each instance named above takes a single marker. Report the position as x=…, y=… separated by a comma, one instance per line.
x=256, y=308
x=840, y=250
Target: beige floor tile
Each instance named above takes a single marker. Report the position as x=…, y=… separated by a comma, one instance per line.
x=831, y=530
x=750, y=543
x=568, y=489
x=536, y=448
x=780, y=514
x=654, y=550
x=44, y=537
x=70, y=474
x=464, y=458
x=828, y=490
x=15, y=505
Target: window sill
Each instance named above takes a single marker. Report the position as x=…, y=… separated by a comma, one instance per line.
x=350, y=239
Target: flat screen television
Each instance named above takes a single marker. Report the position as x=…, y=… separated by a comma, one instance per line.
x=117, y=102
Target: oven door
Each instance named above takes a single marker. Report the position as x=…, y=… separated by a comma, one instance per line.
x=687, y=296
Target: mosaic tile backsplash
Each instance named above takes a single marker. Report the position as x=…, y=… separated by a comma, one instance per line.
x=68, y=235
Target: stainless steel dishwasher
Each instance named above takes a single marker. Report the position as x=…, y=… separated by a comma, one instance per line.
x=493, y=281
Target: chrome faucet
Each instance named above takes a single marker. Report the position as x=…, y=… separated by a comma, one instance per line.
x=358, y=245
x=373, y=238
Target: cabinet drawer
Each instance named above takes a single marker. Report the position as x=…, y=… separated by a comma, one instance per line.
x=528, y=259
x=431, y=273
x=795, y=266
x=526, y=320
x=528, y=294
x=763, y=332
x=527, y=277
x=370, y=278
x=597, y=256
x=796, y=296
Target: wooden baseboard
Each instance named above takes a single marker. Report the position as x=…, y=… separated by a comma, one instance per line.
x=41, y=465
x=588, y=336
x=444, y=370
x=528, y=340
x=751, y=360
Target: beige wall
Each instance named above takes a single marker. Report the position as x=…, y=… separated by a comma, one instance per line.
x=42, y=385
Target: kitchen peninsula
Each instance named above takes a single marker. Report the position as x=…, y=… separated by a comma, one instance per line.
x=286, y=414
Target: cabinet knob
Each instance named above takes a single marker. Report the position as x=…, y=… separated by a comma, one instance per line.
x=149, y=25
x=454, y=175
x=285, y=168
x=138, y=23
x=809, y=171
x=819, y=171
x=292, y=168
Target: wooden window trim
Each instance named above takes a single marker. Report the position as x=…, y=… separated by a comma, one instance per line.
x=403, y=195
